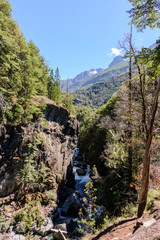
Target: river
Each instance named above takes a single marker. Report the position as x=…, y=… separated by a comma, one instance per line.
x=68, y=212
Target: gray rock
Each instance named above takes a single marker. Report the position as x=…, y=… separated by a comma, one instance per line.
x=48, y=226
x=81, y=172
x=59, y=137
x=149, y=231
x=18, y=237
x=59, y=235
x=71, y=224
x=72, y=205
x=62, y=226
x=81, y=165
x=13, y=236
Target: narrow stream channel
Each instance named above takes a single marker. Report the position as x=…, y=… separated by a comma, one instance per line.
x=81, y=173
x=68, y=212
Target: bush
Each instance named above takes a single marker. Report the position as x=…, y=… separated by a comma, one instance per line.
x=4, y=225
x=87, y=217
x=29, y=219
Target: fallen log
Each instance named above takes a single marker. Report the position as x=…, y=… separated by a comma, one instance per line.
x=57, y=230
x=59, y=234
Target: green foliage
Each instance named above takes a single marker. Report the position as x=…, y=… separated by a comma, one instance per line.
x=152, y=196
x=34, y=174
x=93, y=135
x=29, y=173
x=28, y=219
x=54, y=90
x=49, y=196
x=103, y=76
x=87, y=219
x=99, y=93
x=24, y=74
x=4, y=224
x=67, y=101
x=82, y=112
x=94, y=171
x=130, y=210
x=116, y=153
x=92, y=141
x=109, y=108
x=145, y=13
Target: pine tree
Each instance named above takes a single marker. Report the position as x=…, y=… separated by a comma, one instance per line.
x=51, y=86
x=57, y=85
x=9, y=63
x=54, y=91
x=87, y=218
x=23, y=72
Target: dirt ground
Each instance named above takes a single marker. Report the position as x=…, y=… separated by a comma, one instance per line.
x=120, y=231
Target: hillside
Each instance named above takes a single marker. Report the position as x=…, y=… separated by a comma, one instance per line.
x=99, y=93
x=118, y=59
x=86, y=74
x=77, y=84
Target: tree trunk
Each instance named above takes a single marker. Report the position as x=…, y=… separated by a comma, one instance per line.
x=130, y=112
x=146, y=164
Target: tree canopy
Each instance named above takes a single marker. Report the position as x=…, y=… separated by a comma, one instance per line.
x=145, y=13
x=24, y=73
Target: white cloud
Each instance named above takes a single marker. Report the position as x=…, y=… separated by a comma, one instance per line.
x=114, y=51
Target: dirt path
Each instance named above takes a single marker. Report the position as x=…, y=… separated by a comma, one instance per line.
x=119, y=231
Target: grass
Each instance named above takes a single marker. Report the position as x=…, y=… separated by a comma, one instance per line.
x=152, y=199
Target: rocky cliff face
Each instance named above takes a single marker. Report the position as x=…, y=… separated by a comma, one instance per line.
x=55, y=136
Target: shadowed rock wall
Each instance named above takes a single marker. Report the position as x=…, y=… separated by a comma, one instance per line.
x=57, y=134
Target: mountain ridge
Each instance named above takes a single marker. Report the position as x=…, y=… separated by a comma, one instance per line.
x=118, y=59
x=86, y=79
x=80, y=76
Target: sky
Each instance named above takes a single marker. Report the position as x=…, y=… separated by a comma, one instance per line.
x=77, y=35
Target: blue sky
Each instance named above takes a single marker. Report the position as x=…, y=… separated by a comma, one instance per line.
x=77, y=35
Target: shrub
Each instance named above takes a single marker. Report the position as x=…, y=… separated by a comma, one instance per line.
x=29, y=219
x=87, y=217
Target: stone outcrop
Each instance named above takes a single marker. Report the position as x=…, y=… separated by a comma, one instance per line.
x=72, y=205
x=55, y=135
x=149, y=229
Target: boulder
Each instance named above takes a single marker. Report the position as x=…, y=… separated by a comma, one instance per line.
x=71, y=224
x=61, y=228
x=49, y=225
x=81, y=165
x=72, y=205
x=59, y=235
x=81, y=172
x=149, y=229
x=63, y=193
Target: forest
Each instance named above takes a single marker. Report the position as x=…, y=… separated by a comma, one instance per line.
x=118, y=131
x=24, y=74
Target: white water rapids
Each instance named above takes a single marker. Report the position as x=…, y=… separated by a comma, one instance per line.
x=81, y=180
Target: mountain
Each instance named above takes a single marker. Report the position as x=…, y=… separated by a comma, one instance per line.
x=79, y=83
x=82, y=75
x=99, y=93
x=116, y=60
